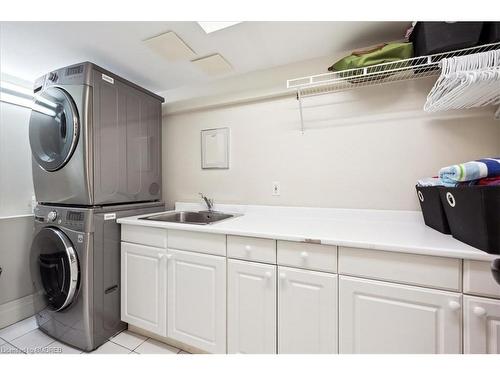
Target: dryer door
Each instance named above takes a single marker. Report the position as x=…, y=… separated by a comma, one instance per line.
x=54, y=128
x=56, y=268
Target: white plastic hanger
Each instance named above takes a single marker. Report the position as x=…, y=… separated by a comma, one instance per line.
x=466, y=82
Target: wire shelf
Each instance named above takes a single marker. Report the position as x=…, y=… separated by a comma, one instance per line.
x=402, y=70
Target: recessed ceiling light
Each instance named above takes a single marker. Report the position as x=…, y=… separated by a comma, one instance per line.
x=211, y=26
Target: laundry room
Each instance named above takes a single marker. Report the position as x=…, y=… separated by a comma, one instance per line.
x=284, y=182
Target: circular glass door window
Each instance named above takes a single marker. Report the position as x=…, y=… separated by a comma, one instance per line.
x=57, y=269
x=53, y=129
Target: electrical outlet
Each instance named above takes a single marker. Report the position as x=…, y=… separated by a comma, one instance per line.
x=276, y=188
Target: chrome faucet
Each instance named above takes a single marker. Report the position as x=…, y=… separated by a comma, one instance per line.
x=208, y=201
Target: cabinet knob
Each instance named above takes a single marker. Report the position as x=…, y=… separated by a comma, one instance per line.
x=282, y=276
x=304, y=254
x=248, y=248
x=268, y=275
x=160, y=256
x=169, y=256
x=479, y=311
x=454, y=305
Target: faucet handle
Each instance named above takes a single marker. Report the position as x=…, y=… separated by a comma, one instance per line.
x=209, y=201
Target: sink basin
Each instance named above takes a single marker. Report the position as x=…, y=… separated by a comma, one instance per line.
x=190, y=217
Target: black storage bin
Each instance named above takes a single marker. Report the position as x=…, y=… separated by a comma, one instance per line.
x=495, y=270
x=432, y=208
x=473, y=214
x=490, y=33
x=435, y=37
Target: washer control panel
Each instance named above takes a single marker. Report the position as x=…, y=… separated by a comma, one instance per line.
x=71, y=218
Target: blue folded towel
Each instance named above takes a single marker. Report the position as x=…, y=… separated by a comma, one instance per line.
x=429, y=181
x=472, y=170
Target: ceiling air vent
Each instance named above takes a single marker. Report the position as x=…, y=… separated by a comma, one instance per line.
x=213, y=65
x=170, y=46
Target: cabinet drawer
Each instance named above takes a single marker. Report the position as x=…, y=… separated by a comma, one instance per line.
x=308, y=256
x=156, y=237
x=209, y=243
x=251, y=248
x=421, y=270
x=479, y=280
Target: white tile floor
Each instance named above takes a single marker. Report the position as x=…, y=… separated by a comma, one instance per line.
x=24, y=337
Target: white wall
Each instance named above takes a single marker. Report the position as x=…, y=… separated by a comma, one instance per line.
x=362, y=148
x=15, y=234
x=16, y=222
x=16, y=183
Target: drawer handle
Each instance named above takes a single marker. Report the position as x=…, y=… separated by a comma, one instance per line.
x=479, y=311
x=248, y=248
x=304, y=254
x=111, y=289
x=282, y=276
x=454, y=305
x=268, y=275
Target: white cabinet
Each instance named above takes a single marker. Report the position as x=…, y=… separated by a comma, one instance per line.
x=478, y=279
x=299, y=305
x=481, y=325
x=143, y=283
x=307, y=311
x=197, y=300
x=379, y=317
x=309, y=256
x=251, y=308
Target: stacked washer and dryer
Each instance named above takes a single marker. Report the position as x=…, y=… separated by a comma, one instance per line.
x=96, y=149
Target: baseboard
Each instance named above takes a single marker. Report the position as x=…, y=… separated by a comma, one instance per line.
x=17, y=310
x=177, y=344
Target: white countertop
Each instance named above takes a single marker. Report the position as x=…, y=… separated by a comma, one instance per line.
x=398, y=231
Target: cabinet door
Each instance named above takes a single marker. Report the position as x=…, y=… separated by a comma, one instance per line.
x=143, y=283
x=307, y=312
x=251, y=308
x=481, y=325
x=197, y=300
x=380, y=317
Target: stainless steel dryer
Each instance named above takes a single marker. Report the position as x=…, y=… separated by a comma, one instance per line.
x=75, y=268
x=95, y=138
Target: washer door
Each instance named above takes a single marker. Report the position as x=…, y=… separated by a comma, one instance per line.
x=57, y=267
x=54, y=128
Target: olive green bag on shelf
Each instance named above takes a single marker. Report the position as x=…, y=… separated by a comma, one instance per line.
x=384, y=53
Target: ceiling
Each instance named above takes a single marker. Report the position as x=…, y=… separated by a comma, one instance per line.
x=30, y=49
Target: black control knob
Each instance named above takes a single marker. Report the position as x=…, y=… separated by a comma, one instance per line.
x=53, y=76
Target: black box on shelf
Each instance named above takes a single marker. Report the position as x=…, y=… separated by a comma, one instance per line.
x=432, y=209
x=490, y=33
x=436, y=37
x=473, y=213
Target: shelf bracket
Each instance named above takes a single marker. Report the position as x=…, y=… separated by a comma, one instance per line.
x=299, y=99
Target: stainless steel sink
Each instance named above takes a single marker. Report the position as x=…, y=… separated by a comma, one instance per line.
x=190, y=217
